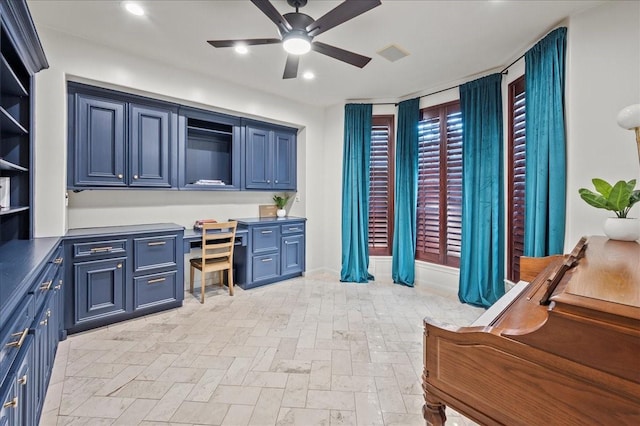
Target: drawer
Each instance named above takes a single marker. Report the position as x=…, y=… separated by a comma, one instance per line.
x=45, y=283
x=99, y=248
x=57, y=257
x=293, y=228
x=13, y=336
x=266, y=266
x=154, y=252
x=265, y=238
x=156, y=289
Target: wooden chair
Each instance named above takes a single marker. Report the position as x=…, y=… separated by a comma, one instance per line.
x=217, y=254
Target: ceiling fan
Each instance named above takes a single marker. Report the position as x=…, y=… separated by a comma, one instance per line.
x=297, y=31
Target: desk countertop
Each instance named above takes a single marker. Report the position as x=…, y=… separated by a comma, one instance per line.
x=256, y=220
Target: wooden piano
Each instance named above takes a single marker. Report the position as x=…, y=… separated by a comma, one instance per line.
x=563, y=348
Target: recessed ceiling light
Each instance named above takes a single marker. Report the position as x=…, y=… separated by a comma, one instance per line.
x=308, y=75
x=134, y=8
x=242, y=49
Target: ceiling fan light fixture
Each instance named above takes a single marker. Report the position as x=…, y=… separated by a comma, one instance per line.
x=134, y=8
x=241, y=49
x=297, y=43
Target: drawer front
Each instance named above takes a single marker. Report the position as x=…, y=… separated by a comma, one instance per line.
x=99, y=288
x=265, y=238
x=293, y=228
x=99, y=248
x=57, y=257
x=45, y=283
x=156, y=289
x=265, y=266
x=13, y=336
x=154, y=252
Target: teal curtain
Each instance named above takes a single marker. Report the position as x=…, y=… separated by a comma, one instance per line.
x=482, y=255
x=355, y=193
x=406, y=194
x=545, y=164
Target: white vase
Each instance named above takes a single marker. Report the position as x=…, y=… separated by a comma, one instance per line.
x=627, y=229
x=281, y=212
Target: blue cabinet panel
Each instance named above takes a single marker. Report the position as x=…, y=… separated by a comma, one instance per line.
x=270, y=157
x=265, y=238
x=155, y=289
x=23, y=375
x=99, y=155
x=284, y=171
x=99, y=288
x=154, y=252
x=258, y=165
x=292, y=251
x=266, y=266
x=150, y=141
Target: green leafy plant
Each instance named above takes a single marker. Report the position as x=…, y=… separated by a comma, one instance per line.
x=281, y=201
x=618, y=198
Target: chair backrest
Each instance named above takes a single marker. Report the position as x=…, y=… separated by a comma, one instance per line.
x=218, y=240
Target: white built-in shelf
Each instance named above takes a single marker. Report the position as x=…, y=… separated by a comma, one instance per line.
x=9, y=166
x=11, y=85
x=209, y=131
x=10, y=125
x=13, y=210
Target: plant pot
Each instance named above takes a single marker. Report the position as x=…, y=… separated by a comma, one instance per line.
x=627, y=229
x=281, y=212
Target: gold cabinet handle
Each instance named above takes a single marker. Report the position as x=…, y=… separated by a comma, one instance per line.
x=101, y=249
x=48, y=313
x=22, y=380
x=20, y=341
x=294, y=229
x=44, y=322
x=46, y=285
x=267, y=260
x=59, y=286
x=135, y=176
x=119, y=265
x=58, y=260
x=266, y=232
x=157, y=243
x=12, y=403
x=120, y=176
x=156, y=280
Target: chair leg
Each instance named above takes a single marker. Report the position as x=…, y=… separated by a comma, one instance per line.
x=202, y=274
x=220, y=278
x=191, y=274
x=230, y=279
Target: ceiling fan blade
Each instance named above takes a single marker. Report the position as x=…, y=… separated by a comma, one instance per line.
x=291, y=67
x=340, y=54
x=272, y=13
x=248, y=42
x=345, y=11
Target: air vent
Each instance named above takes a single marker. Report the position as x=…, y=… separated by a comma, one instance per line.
x=392, y=53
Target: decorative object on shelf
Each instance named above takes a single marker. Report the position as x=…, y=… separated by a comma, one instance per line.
x=281, y=202
x=197, y=226
x=618, y=198
x=268, y=210
x=5, y=191
x=629, y=118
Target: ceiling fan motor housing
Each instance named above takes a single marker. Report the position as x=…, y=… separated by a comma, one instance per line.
x=297, y=3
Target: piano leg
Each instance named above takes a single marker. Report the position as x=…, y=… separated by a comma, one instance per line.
x=433, y=411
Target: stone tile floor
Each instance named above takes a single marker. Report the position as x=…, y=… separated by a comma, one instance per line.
x=307, y=351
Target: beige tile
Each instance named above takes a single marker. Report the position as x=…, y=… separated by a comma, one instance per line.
x=157, y=367
x=320, y=377
x=368, y=411
x=181, y=375
x=267, y=408
x=83, y=421
x=343, y=418
x=207, y=384
x=102, y=406
x=396, y=419
x=147, y=389
x=212, y=361
x=238, y=415
x=263, y=359
x=167, y=406
x=237, y=371
x=341, y=363
x=205, y=413
x=136, y=412
x=53, y=397
x=413, y=403
x=286, y=349
x=303, y=417
x=265, y=379
x=353, y=383
x=239, y=351
x=295, y=393
x=372, y=370
x=389, y=357
x=125, y=376
x=76, y=391
x=332, y=400
x=312, y=354
x=389, y=395
x=245, y=395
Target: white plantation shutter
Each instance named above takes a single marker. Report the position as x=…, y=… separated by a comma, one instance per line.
x=516, y=171
x=381, y=186
x=439, y=210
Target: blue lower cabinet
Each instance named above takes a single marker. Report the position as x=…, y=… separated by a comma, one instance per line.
x=266, y=267
x=153, y=290
x=99, y=288
x=292, y=251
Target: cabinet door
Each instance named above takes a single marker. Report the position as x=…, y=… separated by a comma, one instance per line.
x=150, y=142
x=99, y=288
x=284, y=156
x=292, y=254
x=8, y=403
x=99, y=157
x=259, y=162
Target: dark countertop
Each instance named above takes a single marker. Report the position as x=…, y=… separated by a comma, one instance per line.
x=257, y=220
x=20, y=263
x=127, y=230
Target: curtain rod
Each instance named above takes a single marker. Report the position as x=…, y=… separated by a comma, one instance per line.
x=504, y=71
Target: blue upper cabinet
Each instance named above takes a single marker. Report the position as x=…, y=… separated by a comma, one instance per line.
x=270, y=157
x=118, y=140
x=151, y=138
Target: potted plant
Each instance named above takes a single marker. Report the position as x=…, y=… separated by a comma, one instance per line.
x=281, y=202
x=619, y=199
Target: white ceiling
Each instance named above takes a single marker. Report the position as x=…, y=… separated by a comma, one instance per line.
x=448, y=41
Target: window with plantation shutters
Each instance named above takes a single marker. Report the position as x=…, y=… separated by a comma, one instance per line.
x=381, y=186
x=516, y=169
x=439, y=210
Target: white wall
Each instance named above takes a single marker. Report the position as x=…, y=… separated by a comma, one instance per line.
x=603, y=65
x=72, y=58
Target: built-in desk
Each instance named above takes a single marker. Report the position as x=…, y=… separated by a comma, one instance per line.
x=193, y=238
